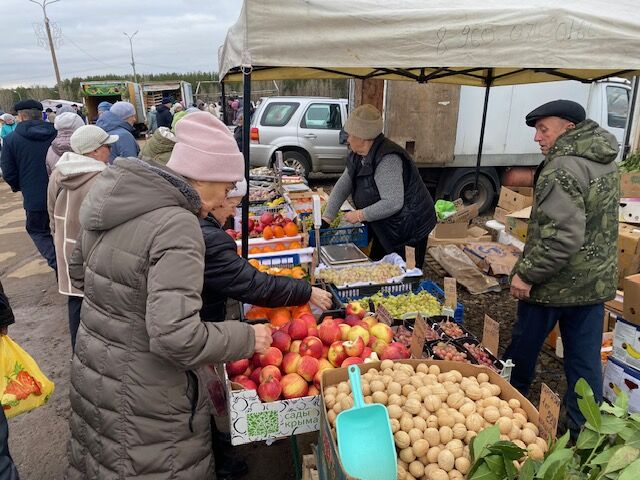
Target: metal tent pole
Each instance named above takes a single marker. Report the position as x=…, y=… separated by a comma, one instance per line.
x=482, y=126
x=246, y=142
x=224, y=103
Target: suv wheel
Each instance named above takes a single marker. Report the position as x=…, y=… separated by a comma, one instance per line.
x=298, y=161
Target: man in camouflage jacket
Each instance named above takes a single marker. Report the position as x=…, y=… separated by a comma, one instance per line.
x=569, y=265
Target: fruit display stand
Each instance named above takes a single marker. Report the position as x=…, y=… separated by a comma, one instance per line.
x=329, y=463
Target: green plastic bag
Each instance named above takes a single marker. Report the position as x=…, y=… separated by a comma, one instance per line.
x=444, y=209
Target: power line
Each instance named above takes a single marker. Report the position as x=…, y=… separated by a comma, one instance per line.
x=90, y=55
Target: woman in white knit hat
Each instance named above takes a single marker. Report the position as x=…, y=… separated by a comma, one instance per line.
x=386, y=188
x=66, y=123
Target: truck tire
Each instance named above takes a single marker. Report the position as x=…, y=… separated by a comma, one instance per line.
x=298, y=161
x=464, y=188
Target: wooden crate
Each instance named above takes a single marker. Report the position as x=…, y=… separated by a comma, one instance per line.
x=309, y=470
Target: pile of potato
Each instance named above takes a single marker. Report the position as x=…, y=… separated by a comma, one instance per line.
x=434, y=415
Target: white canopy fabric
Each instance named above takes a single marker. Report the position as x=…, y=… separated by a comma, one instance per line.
x=470, y=42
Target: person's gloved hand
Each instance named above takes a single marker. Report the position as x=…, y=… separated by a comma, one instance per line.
x=321, y=298
x=262, y=338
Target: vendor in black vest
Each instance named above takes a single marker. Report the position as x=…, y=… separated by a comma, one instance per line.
x=386, y=188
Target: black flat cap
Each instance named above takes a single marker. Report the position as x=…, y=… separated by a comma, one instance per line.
x=566, y=109
x=28, y=104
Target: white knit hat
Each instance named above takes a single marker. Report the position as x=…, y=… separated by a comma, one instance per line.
x=68, y=121
x=89, y=138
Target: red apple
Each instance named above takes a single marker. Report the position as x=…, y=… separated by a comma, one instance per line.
x=247, y=372
x=338, y=320
x=351, y=361
x=272, y=356
x=270, y=371
x=369, y=321
x=295, y=346
x=255, y=360
x=245, y=381
x=344, y=331
x=352, y=320
x=313, y=391
x=337, y=354
x=307, y=367
x=238, y=367
x=309, y=319
x=294, y=386
x=324, y=364
x=290, y=362
x=255, y=375
x=379, y=346
x=354, y=348
x=325, y=351
x=355, y=308
x=281, y=340
x=285, y=328
x=298, y=329
x=366, y=352
x=382, y=331
x=329, y=332
x=311, y=346
x=359, y=331
x=395, y=351
x=231, y=232
x=270, y=390
x=312, y=332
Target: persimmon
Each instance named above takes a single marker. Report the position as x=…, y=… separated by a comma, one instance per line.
x=279, y=316
x=291, y=229
x=278, y=232
x=294, y=245
x=297, y=311
x=257, y=313
x=280, y=247
x=267, y=233
x=255, y=250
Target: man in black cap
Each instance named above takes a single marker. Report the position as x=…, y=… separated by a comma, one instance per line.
x=163, y=113
x=568, y=268
x=23, y=163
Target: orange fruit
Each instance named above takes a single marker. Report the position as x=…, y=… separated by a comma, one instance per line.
x=294, y=245
x=267, y=233
x=297, y=311
x=297, y=272
x=291, y=229
x=279, y=316
x=256, y=313
x=280, y=247
x=255, y=250
x=278, y=231
x=285, y=272
x=268, y=249
x=254, y=263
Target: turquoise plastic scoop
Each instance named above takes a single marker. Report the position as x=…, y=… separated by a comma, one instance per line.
x=365, y=441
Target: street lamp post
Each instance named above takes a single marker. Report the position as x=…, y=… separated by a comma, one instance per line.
x=133, y=62
x=43, y=4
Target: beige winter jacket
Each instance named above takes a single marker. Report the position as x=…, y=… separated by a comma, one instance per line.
x=69, y=182
x=138, y=411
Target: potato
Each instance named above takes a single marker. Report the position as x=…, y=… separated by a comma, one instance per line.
x=459, y=431
x=386, y=364
x=412, y=406
x=432, y=454
x=432, y=435
x=456, y=400
x=456, y=447
x=420, y=447
x=416, y=469
x=419, y=423
x=438, y=474
x=406, y=423
x=379, y=397
x=446, y=434
x=394, y=411
x=474, y=422
x=467, y=409
x=446, y=460
x=491, y=414
x=505, y=425
x=415, y=434
x=535, y=452
x=395, y=425
x=434, y=369
x=343, y=387
x=407, y=455
x=432, y=403
x=528, y=436
x=462, y=465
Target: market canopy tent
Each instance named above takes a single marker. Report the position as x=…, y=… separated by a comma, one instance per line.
x=496, y=42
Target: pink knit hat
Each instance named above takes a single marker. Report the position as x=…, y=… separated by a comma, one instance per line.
x=205, y=150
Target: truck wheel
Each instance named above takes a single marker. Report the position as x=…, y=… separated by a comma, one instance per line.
x=298, y=161
x=464, y=188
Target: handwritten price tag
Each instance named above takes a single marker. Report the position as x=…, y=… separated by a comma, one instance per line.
x=549, y=412
x=418, y=337
x=491, y=334
x=383, y=315
x=450, y=292
x=410, y=255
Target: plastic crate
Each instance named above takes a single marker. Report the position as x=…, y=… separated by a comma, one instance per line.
x=281, y=261
x=335, y=236
x=344, y=295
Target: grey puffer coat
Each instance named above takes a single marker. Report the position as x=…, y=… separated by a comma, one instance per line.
x=137, y=409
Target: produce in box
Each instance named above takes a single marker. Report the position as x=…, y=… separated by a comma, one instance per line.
x=375, y=273
x=293, y=272
x=399, y=305
x=434, y=416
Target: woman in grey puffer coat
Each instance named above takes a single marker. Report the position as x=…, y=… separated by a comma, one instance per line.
x=138, y=410
x=66, y=123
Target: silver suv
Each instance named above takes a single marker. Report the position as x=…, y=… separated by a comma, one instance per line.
x=305, y=129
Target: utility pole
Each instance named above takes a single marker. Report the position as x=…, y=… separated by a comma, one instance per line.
x=133, y=62
x=43, y=4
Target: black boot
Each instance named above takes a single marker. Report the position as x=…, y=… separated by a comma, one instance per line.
x=228, y=465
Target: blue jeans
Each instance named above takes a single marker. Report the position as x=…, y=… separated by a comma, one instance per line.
x=8, y=469
x=37, y=226
x=74, y=318
x=581, y=331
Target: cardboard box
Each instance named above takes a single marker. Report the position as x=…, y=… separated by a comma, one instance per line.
x=560, y=347
x=513, y=199
x=631, y=303
x=619, y=377
x=473, y=234
x=329, y=465
x=251, y=420
x=616, y=306
x=629, y=210
x=463, y=214
x=518, y=223
x=500, y=214
x=630, y=185
x=628, y=252
x=626, y=343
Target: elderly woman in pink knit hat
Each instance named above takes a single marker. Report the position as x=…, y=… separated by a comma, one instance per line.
x=138, y=409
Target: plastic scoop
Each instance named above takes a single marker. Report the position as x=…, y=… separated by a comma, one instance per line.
x=364, y=434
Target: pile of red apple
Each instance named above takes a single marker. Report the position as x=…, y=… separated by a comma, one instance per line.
x=257, y=225
x=301, y=350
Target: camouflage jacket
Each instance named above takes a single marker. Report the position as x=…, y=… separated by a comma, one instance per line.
x=570, y=256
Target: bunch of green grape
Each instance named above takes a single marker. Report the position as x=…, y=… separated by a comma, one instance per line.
x=377, y=273
x=399, y=305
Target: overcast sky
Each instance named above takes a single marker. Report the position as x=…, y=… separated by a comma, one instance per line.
x=173, y=35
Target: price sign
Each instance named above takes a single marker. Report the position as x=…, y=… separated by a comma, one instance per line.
x=383, y=315
x=450, y=292
x=491, y=334
x=418, y=337
x=549, y=412
x=410, y=255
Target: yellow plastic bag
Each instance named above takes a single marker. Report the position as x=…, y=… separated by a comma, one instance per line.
x=23, y=386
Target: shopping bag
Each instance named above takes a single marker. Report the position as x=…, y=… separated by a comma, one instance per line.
x=23, y=386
